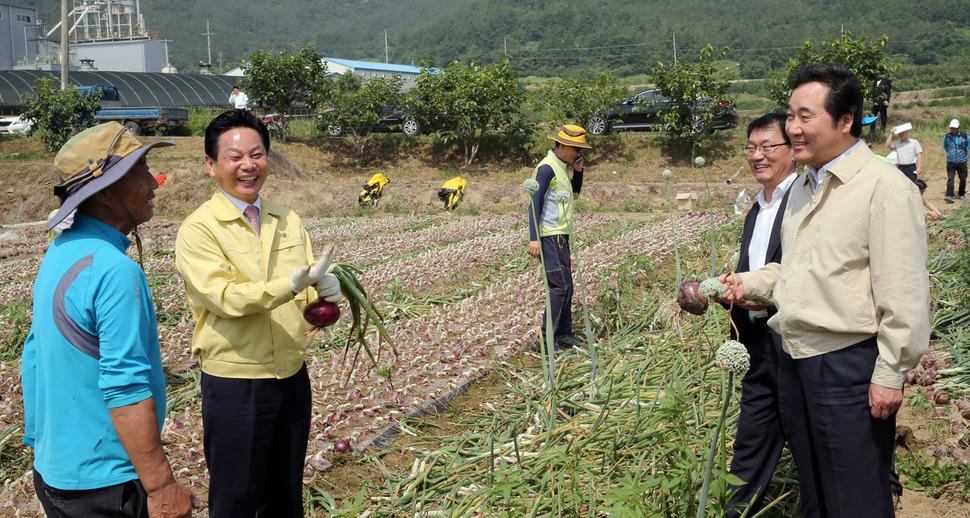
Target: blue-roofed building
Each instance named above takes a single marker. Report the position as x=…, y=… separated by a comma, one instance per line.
x=370, y=70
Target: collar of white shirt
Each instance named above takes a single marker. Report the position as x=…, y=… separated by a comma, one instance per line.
x=819, y=174
x=779, y=192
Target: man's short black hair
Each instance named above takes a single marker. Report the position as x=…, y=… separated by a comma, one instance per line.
x=770, y=120
x=845, y=91
x=230, y=120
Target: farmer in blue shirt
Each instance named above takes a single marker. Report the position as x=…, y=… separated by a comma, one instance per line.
x=955, y=144
x=94, y=391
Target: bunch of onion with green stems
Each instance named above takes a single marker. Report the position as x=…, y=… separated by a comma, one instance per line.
x=547, y=343
x=363, y=313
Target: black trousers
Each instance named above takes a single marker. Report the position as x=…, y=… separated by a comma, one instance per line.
x=125, y=500
x=843, y=454
x=882, y=111
x=558, y=265
x=909, y=170
x=255, y=440
x=760, y=439
x=953, y=170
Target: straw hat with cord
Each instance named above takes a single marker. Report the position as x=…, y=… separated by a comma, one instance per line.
x=571, y=135
x=92, y=161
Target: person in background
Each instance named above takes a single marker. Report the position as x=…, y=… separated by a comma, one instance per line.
x=882, y=90
x=238, y=99
x=552, y=223
x=93, y=385
x=956, y=145
x=853, y=303
x=760, y=438
x=248, y=270
x=909, y=154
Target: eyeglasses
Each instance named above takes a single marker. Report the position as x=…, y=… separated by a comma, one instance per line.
x=766, y=149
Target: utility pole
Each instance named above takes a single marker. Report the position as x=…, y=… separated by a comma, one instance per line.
x=208, y=41
x=65, y=46
x=385, y=47
x=675, y=49
x=506, y=41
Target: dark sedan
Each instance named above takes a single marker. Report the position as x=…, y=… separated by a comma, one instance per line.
x=392, y=119
x=643, y=112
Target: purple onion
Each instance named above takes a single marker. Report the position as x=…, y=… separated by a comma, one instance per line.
x=690, y=298
x=912, y=376
x=941, y=397
x=342, y=445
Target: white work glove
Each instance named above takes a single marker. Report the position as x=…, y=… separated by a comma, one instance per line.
x=306, y=276
x=328, y=288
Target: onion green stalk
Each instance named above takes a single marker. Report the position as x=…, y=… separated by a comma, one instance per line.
x=732, y=357
x=531, y=186
x=667, y=175
x=699, y=162
x=358, y=299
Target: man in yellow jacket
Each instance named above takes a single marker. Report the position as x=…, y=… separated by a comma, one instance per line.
x=248, y=268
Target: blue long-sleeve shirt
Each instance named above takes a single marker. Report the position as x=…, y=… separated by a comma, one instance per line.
x=88, y=290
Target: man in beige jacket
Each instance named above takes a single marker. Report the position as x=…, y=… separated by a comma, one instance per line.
x=852, y=293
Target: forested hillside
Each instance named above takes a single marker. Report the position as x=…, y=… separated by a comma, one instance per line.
x=931, y=39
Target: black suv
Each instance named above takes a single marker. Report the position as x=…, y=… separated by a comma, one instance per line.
x=642, y=112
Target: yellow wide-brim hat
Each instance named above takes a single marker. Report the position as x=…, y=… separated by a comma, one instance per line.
x=571, y=135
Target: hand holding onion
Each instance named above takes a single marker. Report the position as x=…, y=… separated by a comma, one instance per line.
x=694, y=296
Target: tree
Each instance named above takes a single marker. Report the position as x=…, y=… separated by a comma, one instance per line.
x=58, y=114
x=284, y=81
x=864, y=57
x=697, y=91
x=476, y=99
x=357, y=106
x=576, y=101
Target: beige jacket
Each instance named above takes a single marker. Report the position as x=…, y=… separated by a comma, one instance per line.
x=853, y=266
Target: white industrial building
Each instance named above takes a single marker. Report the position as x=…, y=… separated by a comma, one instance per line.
x=106, y=35
x=364, y=69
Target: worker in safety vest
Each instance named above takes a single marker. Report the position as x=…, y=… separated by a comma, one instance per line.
x=551, y=223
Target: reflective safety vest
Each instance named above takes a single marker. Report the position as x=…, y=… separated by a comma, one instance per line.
x=557, y=216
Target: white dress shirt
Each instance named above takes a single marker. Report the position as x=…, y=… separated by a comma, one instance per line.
x=761, y=234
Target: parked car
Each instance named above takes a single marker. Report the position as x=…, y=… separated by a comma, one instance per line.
x=15, y=124
x=643, y=112
x=392, y=119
